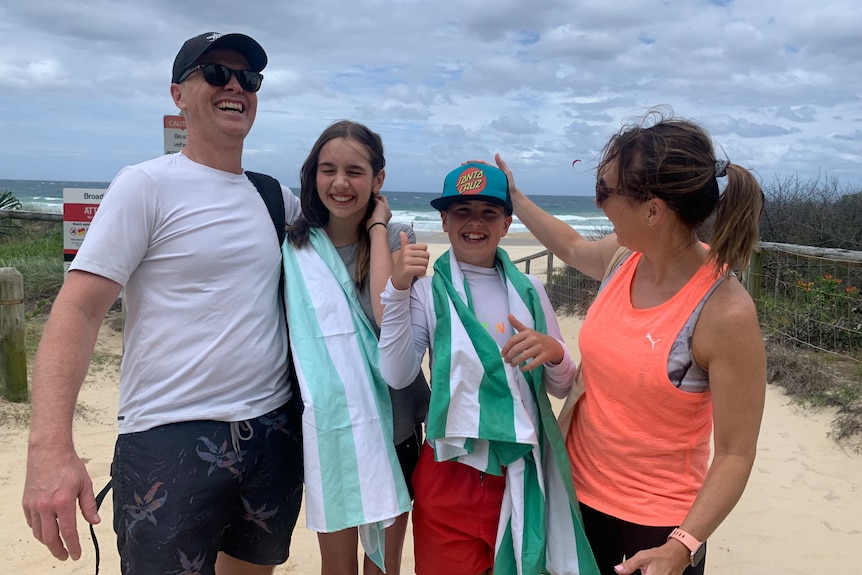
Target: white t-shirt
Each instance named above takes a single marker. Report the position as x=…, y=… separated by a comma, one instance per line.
x=198, y=256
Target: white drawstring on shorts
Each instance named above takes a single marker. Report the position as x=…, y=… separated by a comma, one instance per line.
x=240, y=430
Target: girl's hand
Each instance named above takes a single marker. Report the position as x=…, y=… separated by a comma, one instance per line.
x=381, y=213
x=411, y=261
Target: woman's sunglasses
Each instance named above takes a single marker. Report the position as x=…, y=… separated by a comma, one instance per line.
x=218, y=75
x=603, y=192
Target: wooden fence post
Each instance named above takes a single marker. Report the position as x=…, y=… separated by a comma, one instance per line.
x=13, y=357
x=753, y=276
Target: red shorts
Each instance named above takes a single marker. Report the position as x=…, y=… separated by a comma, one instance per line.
x=455, y=516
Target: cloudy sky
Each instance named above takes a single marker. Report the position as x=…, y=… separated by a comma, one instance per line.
x=777, y=82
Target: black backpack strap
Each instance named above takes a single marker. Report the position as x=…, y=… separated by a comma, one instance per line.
x=270, y=190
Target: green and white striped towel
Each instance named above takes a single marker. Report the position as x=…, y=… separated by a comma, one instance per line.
x=487, y=414
x=352, y=474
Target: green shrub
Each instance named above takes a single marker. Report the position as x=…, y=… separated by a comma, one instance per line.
x=571, y=292
x=822, y=310
x=812, y=213
x=35, y=249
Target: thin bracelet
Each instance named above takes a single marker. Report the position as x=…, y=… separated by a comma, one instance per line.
x=368, y=229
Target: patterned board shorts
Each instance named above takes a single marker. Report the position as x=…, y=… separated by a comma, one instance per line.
x=185, y=491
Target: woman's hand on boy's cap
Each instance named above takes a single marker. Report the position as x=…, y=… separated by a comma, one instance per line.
x=504, y=167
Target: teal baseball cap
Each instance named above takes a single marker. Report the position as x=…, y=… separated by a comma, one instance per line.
x=475, y=181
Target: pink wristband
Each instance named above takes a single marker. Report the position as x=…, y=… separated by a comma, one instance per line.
x=695, y=547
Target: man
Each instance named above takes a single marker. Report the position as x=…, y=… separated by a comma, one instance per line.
x=207, y=468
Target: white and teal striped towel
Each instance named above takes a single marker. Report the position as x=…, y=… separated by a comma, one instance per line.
x=487, y=414
x=352, y=474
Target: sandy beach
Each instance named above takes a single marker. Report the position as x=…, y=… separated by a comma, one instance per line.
x=801, y=512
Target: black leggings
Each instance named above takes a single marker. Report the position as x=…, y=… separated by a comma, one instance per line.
x=408, y=456
x=613, y=540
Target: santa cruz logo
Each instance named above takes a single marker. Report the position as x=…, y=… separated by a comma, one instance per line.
x=471, y=182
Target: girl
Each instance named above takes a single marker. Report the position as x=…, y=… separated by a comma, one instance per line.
x=359, y=443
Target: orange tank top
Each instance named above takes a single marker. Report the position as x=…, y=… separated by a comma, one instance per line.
x=639, y=447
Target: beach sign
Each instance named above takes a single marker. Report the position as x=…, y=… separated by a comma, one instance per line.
x=79, y=207
x=175, y=133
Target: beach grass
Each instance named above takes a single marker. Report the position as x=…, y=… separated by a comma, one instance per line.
x=35, y=249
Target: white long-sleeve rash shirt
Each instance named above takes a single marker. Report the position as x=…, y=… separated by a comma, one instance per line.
x=405, y=330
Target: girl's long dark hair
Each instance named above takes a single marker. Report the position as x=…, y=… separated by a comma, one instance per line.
x=314, y=213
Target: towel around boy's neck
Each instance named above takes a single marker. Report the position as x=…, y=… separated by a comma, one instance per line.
x=479, y=417
x=488, y=415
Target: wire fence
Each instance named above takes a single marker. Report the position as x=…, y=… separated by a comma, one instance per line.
x=810, y=305
x=809, y=301
x=569, y=291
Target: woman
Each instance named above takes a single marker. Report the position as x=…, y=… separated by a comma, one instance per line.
x=671, y=348
x=338, y=257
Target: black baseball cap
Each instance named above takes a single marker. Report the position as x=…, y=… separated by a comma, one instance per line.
x=196, y=47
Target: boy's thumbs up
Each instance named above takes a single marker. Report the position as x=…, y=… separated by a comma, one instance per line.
x=411, y=261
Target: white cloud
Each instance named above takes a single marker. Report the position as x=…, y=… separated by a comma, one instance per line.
x=543, y=83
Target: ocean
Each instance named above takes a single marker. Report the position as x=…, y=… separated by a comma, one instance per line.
x=413, y=208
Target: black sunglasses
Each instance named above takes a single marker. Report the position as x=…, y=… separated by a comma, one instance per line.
x=603, y=192
x=218, y=75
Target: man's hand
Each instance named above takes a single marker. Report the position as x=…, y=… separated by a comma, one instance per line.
x=411, y=262
x=530, y=345
x=55, y=484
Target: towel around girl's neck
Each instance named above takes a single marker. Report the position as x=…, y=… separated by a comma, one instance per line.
x=490, y=416
x=352, y=474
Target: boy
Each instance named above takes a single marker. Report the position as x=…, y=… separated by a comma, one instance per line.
x=492, y=487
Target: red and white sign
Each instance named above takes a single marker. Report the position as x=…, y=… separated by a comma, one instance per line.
x=79, y=207
x=175, y=134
